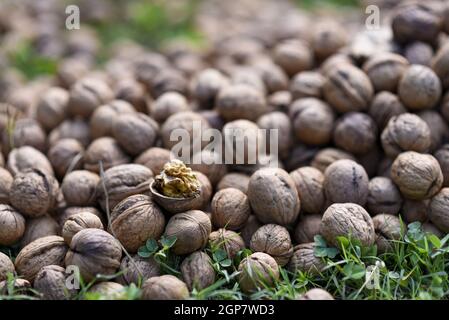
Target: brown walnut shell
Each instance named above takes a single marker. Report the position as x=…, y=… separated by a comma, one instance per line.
x=273, y=240
x=51, y=283
x=230, y=209
x=197, y=271
x=78, y=222
x=304, y=259
x=257, y=271
x=166, y=287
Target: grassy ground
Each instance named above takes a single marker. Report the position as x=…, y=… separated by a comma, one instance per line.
x=417, y=268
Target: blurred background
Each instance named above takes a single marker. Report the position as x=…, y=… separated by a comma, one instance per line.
x=33, y=35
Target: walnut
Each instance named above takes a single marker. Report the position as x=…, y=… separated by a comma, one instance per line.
x=273, y=240
x=346, y=181
x=251, y=226
x=42, y=252
x=6, y=180
x=234, y=180
x=304, y=259
x=414, y=210
x=230, y=209
x=229, y=241
x=26, y=157
x=406, y=132
x=34, y=193
x=103, y=118
x=348, y=220
x=307, y=228
x=191, y=229
x=273, y=197
x=136, y=219
x=123, y=181
x=66, y=154
x=383, y=197
x=257, y=271
x=108, y=290
x=154, y=158
x=418, y=176
x=106, y=150
x=79, y=188
x=138, y=270
x=6, y=266
x=387, y=228
x=78, y=222
x=438, y=210
x=168, y=104
x=325, y=157
x=95, y=252
x=309, y=184
x=52, y=107
x=38, y=228
x=166, y=287
x=197, y=271
x=51, y=283
x=316, y=294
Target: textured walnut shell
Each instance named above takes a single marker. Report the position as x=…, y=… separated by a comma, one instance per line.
x=12, y=225
x=355, y=132
x=229, y=241
x=304, y=259
x=42, y=252
x=135, y=132
x=316, y=294
x=133, y=92
x=26, y=132
x=309, y=184
x=135, y=220
x=440, y=64
x=385, y=105
x=383, y=197
x=66, y=213
x=347, y=88
x=79, y=188
x=197, y=271
x=241, y=101
x=34, y=193
x=206, y=85
x=273, y=197
x=273, y=240
x=293, y=56
x=78, y=222
x=38, y=228
x=52, y=107
x=387, y=228
x=235, y=180
x=65, y=154
x=21, y=286
x=6, y=180
x=419, y=53
x=438, y=210
x=166, y=287
x=50, y=282
x=414, y=210
x=307, y=228
x=230, y=209
x=307, y=84
x=419, y=88
x=327, y=38
x=95, y=252
x=191, y=229
x=416, y=21
x=86, y=95
x=26, y=157
x=123, y=181
x=6, y=266
x=168, y=104
x=406, y=132
x=74, y=128
x=103, y=118
x=154, y=158
x=346, y=181
x=108, y=290
x=418, y=176
x=106, y=150
x=257, y=271
x=312, y=121
x=138, y=270
x=348, y=220
x=429, y=227
x=327, y=156
x=442, y=155
x=439, y=130
x=385, y=70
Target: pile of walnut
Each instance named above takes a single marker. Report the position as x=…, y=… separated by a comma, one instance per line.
x=362, y=138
